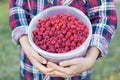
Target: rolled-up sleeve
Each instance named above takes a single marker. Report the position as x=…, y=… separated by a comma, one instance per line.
x=102, y=14
x=19, y=18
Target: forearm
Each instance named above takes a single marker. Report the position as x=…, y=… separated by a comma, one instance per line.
x=24, y=40
x=92, y=55
x=27, y=48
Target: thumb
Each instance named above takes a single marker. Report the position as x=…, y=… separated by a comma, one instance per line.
x=69, y=62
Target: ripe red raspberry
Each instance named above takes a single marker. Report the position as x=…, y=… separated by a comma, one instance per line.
x=60, y=33
x=53, y=42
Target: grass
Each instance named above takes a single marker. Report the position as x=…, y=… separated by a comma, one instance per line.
x=9, y=56
x=107, y=68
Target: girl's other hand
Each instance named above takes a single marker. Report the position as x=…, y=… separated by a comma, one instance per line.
x=38, y=61
x=73, y=67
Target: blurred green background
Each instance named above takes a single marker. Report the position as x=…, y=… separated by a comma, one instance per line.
x=107, y=68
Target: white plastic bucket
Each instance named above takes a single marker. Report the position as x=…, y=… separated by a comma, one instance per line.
x=54, y=57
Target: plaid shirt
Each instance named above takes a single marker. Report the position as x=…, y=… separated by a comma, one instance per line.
x=101, y=13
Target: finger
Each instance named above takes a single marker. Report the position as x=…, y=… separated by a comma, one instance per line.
x=69, y=62
x=51, y=73
x=40, y=67
x=38, y=57
x=48, y=65
x=29, y=51
x=66, y=70
x=53, y=65
x=61, y=74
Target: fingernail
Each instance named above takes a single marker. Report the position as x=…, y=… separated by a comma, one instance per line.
x=60, y=63
x=44, y=62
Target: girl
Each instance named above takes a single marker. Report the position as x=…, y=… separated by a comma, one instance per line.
x=102, y=15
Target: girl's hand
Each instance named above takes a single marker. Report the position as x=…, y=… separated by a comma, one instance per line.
x=37, y=61
x=73, y=67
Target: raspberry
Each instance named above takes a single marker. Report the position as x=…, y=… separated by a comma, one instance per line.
x=47, y=24
x=39, y=38
x=64, y=39
x=71, y=38
x=72, y=26
x=57, y=45
x=67, y=49
x=67, y=43
x=86, y=30
x=52, y=42
x=68, y=34
x=51, y=49
x=60, y=33
x=79, y=33
x=63, y=26
x=53, y=29
x=74, y=31
x=61, y=36
x=50, y=33
x=73, y=44
x=64, y=31
x=44, y=47
x=47, y=38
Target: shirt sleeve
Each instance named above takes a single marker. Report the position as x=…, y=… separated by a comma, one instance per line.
x=19, y=18
x=102, y=14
